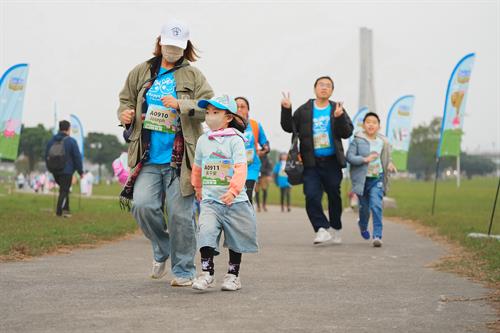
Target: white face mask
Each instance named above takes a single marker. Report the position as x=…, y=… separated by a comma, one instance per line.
x=215, y=121
x=171, y=53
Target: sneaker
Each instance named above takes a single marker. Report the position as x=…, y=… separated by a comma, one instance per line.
x=204, y=281
x=181, y=282
x=159, y=270
x=365, y=234
x=231, y=282
x=336, y=237
x=377, y=242
x=322, y=236
x=66, y=214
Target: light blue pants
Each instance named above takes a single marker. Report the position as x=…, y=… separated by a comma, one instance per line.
x=158, y=186
x=237, y=221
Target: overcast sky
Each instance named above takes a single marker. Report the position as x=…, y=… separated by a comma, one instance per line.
x=80, y=53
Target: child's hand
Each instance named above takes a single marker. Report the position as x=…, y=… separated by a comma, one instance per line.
x=392, y=168
x=198, y=195
x=227, y=198
x=371, y=157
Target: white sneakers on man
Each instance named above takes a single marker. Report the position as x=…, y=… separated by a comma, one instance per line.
x=322, y=236
x=203, y=281
x=336, y=237
x=159, y=270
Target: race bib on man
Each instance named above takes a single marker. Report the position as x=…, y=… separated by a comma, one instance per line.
x=216, y=172
x=321, y=140
x=161, y=119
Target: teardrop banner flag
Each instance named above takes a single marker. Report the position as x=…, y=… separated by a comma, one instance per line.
x=357, y=121
x=77, y=132
x=398, y=130
x=12, y=88
x=454, y=108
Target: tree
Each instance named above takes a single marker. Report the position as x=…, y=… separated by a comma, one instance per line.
x=102, y=149
x=423, y=148
x=33, y=144
x=476, y=165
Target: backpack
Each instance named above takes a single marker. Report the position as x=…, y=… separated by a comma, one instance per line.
x=255, y=130
x=56, y=157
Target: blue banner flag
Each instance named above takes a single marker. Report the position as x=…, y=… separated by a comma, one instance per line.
x=12, y=88
x=398, y=130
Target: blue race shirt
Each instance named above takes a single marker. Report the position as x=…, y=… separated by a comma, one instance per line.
x=160, y=151
x=322, y=132
x=281, y=176
x=253, y=160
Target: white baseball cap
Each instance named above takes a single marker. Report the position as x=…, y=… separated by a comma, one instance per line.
x=175, y=33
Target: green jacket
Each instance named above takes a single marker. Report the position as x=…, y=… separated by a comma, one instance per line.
x=191, y=86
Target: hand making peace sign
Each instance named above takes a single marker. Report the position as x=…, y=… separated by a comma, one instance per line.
x=286, y=102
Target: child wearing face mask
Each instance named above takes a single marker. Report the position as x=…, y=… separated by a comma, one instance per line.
x=218, y=176
x=369, y=154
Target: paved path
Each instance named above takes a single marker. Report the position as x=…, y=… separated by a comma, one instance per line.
x=290, y=286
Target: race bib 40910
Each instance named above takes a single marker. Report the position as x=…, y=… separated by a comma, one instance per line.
x=161, y=119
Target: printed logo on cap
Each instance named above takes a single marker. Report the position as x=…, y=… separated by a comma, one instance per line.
x=176, y=31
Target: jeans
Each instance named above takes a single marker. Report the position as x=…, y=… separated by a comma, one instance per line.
x=64, y=182
x=372, y=200
x=156, y=187
x=326, y=176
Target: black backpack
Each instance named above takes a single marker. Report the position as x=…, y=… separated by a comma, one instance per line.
x=56, y=157
x=294, y=166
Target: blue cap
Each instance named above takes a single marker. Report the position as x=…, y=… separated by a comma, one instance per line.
x=223, y=102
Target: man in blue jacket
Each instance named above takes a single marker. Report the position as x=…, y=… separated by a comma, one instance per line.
x=63, y=164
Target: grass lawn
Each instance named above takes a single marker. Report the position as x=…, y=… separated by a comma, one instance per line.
x=29, y=227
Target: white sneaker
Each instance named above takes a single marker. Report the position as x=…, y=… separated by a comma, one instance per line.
x=377, y=242
x=181, y=282
x=336, y=237
x=204, y=281
x=159, y=270
x=322, y=236
x=231, y=282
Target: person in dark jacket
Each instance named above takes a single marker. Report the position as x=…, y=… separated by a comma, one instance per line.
x=73, y=163
x=321, y=125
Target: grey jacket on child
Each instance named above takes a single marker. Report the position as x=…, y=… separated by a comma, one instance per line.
x=359, y=148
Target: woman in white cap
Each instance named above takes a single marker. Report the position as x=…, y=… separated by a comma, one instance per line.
x=159, y=109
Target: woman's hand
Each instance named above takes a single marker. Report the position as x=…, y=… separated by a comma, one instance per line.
x=227, y=198
x=127, y=116
x=170, y=102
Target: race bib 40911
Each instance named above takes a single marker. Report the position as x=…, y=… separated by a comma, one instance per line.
x=216, y=172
